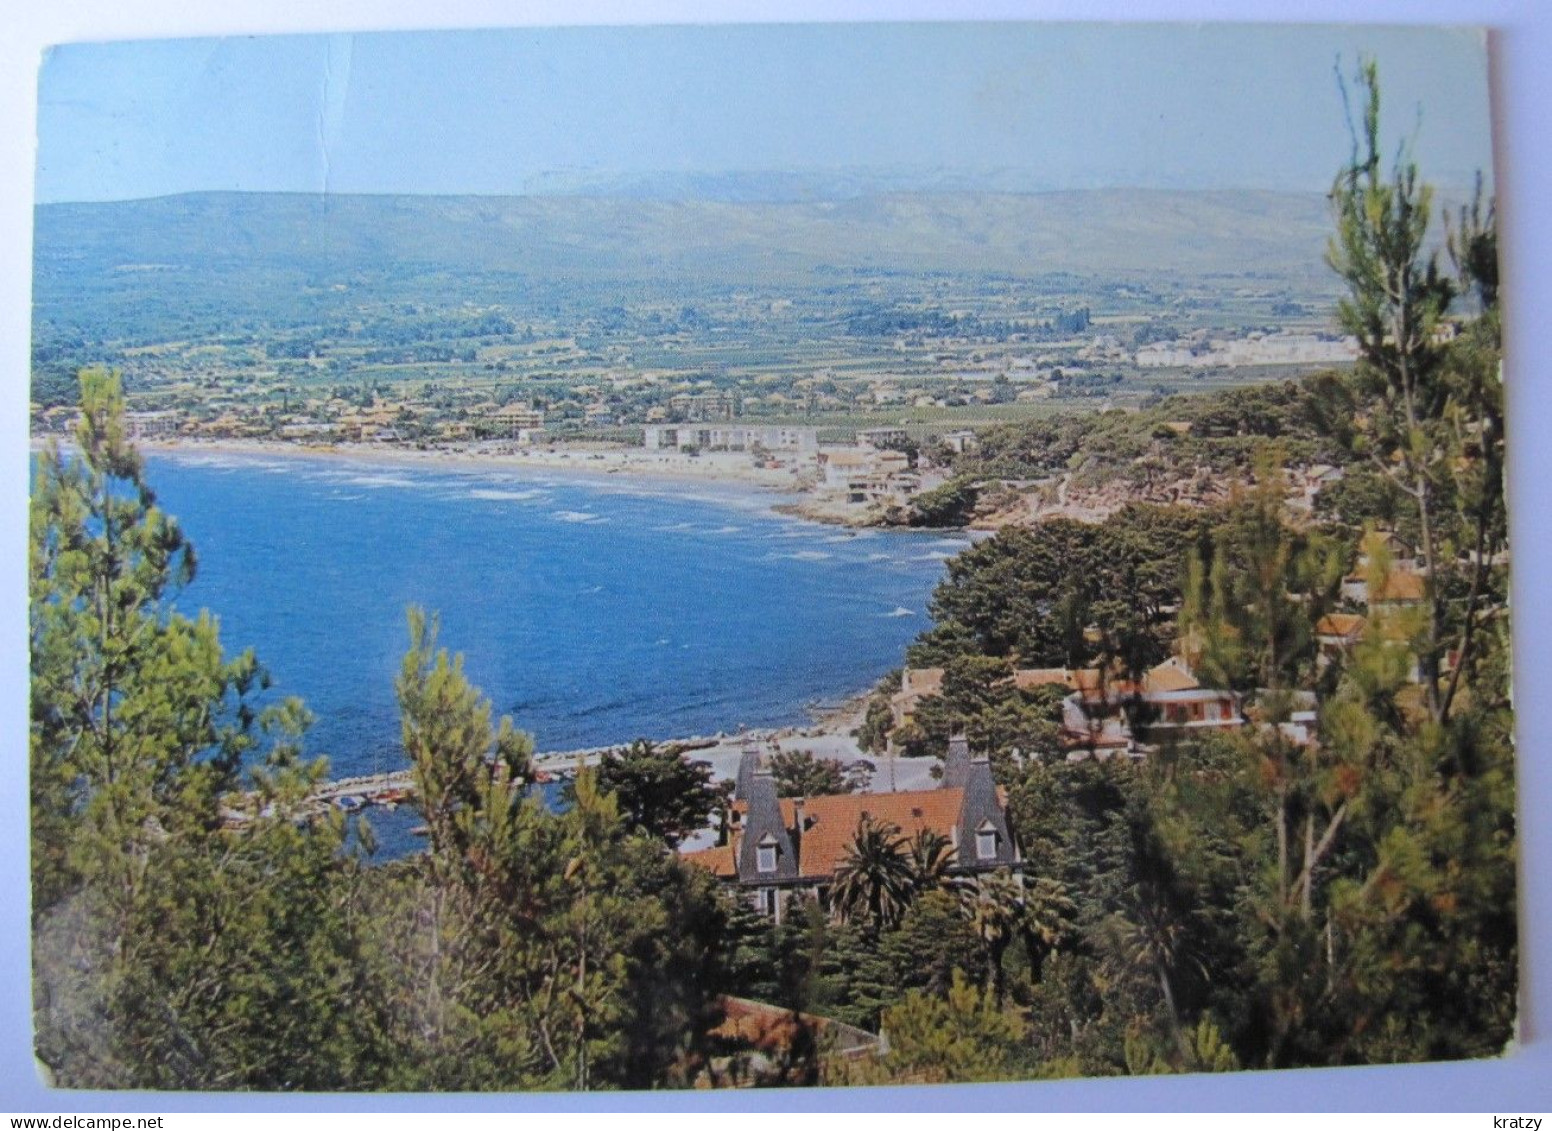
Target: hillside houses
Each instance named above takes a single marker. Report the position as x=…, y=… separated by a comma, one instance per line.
x=868, y=476
x=1403, y=583
x=1105, y=715
x=162, y=424
x=1337, y=634
x=1257, y=348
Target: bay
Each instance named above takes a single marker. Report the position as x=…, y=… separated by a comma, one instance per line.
x=594, y=610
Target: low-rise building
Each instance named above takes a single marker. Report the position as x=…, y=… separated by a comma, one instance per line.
x=159, y=425
x=730, y=438
x=697, y=407
x=916, y=684
x=842, y=465
x=883, y=438
x=776, y=850
x=514, y=418
x=1337, y=634
x=961, y=441
x=1104, y=716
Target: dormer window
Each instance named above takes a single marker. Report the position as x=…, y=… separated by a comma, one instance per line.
x=986, y=841
x=765, y=854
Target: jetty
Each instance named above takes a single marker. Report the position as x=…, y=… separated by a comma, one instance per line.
x=394, y=787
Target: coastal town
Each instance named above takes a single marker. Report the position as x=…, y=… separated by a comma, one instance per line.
x=857, y=476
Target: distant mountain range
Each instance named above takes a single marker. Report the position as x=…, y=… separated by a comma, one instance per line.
x=203, y=263
x=1088, y=232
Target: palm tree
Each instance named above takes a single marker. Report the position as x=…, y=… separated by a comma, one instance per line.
x=932, y=855
x=994, y=905
x=1154, y=934
x=876, y=879
x=1047, y=920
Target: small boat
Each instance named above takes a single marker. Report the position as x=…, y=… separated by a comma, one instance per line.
x=420, y=830
x=349, y=803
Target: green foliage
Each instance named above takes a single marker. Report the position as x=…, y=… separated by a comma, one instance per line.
x=1241, y=900
x=960, y=1038
x=1435, y=427
x=854, y=979
x=257, y=968
x=1367, y=497
x=951, y=505
x=1202, y=1049
x=798, y=773
x=527, y=948
x=874, y=882
x=168, y=952
x=1253, y=599
x=775, y=963
x=123, y=739
x=935, y=940
x=993, y=906
x=470, y=779
x=1031, y=592
x=561, y=950
x=1226, y=426
x=55, y=384
x=660, y=792
x=873, y=735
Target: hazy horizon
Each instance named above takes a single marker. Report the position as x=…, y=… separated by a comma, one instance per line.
x=827, y=110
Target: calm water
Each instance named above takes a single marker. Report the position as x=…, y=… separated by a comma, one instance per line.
x=592, y=611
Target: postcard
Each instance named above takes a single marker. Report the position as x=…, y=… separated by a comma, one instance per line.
x=704, y=557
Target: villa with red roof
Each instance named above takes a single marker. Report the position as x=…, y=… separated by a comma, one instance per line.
x=775, y=848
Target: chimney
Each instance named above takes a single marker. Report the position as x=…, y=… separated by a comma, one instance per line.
x=956, y=763
x=749, y=764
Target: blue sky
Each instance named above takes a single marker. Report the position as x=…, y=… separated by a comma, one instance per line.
x=1045, y=106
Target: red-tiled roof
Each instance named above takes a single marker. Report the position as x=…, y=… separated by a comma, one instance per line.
x=1168, y=676
x=773, y=1028
x=1026, y=678
x=1340, y=624
x=830, y=822
x=921, y=681
x=1094, y=685
x=719, y=861
x=1399, y=585
x=1087, y=680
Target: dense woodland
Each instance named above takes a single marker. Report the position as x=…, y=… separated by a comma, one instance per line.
x=1238, y=902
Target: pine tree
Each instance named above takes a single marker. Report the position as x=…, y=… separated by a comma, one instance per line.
x=138, y=720
x=170, y=951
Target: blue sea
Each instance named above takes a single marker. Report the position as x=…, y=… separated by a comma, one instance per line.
x=593, y=610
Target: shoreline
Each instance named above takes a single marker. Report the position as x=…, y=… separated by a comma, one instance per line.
x=604, y=463
x=727, y=473
x=830, y=737
x=827, y=732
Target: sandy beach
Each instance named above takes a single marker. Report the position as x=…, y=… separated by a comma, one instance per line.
x=708, y=468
